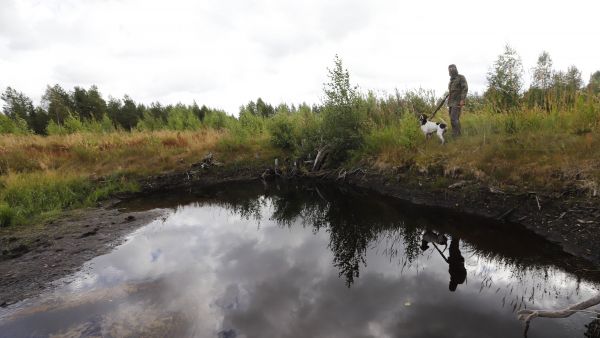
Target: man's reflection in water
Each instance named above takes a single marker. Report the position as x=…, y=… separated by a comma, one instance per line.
x=456, y=262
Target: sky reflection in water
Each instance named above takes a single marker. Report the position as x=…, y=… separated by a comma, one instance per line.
x=308, y=261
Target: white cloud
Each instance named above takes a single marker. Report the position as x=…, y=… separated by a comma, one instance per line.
x=225, y=53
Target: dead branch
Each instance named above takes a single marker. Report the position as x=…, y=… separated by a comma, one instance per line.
x=505, y=214
x=528, y=314
x=320, y=157
x=355, y=171
x=495, y=190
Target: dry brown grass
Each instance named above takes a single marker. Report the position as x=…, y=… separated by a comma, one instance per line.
x=106, y=154
x=42, y=176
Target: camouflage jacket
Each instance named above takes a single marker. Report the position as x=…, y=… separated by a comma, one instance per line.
x=458, y=90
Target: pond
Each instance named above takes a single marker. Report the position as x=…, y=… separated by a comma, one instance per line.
x=303, y=259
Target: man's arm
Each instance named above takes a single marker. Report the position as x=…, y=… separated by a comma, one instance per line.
x=464, y=89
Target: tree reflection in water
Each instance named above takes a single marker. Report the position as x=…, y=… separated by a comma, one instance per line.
x=352, y=221
x=356, y=220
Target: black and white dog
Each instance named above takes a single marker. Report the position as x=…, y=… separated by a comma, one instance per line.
x=429, y=128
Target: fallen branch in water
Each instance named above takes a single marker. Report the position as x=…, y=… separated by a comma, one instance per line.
x=527, y=315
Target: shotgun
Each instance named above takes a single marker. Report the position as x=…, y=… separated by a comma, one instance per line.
x=439, y=105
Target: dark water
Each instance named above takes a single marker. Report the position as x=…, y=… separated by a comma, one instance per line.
x=291, y=260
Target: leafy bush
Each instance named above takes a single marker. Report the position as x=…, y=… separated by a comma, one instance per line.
x=309, y=125
x=252, y=123
x=282, y=129
x=409, y=131
x=73, y=125
x=54, y=128
x=586, y=117
x=104, y=125
x=13, y=125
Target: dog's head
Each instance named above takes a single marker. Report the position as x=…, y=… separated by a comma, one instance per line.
x=423, y=119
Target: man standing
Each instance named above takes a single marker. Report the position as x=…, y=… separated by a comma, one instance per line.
x=457, y=93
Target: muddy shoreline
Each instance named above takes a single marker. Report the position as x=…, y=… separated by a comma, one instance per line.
x=31, y=259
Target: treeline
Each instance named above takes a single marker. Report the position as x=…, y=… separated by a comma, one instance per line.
x=64, y=112
x=79, y=110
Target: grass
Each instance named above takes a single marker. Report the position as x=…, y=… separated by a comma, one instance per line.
x=42, y=195
x=531, y=150
x=43, y=176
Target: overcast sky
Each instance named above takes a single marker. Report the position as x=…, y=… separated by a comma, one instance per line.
x=227, y=52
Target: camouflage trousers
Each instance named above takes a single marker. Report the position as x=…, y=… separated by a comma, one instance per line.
x=455, y=120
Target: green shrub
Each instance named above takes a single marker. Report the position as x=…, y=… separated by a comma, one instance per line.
x=73, y=125
x=409, y=133
x=308, y=131
x=282, y=130
x=16, y=126
x=54, y=128
x=252, y=123
x=104, y=125
x=586, y=117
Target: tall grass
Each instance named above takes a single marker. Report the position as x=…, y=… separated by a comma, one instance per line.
x=41, y=176
x=33, y=197
x=403, y=134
